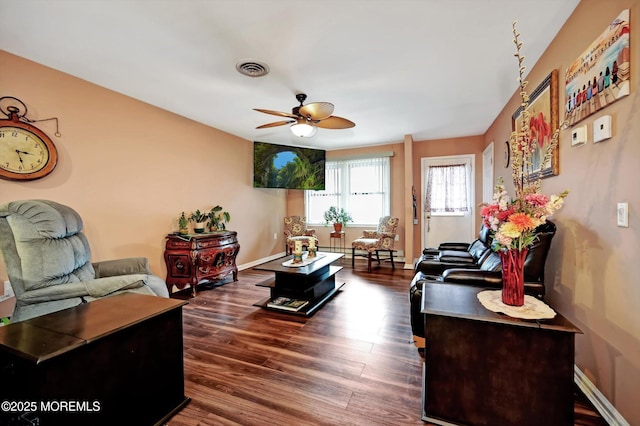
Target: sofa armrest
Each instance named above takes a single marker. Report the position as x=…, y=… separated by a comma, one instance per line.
x=478, y=278
x=431, y=266
x=456, y=256
x=430, y=251
x=126, y=266
x=454, y=246
x=54, y=292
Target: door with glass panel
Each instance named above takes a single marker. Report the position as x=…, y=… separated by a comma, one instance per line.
x=448, y=212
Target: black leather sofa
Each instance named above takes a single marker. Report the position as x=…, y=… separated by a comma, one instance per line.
x=485, y=272
x=455, y=255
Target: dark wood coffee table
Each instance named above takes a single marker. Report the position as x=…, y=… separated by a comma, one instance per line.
x=314, y=282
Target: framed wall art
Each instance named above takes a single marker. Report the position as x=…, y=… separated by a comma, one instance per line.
x=600, y=75
x=543, y=122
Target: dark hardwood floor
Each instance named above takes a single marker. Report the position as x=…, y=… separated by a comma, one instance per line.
x=353, y=363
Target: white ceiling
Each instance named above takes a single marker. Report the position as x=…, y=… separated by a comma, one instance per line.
x=428, y=68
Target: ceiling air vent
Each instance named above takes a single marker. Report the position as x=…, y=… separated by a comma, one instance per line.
x=252, y=68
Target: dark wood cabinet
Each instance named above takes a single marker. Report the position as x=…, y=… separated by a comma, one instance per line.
x=113, y=361
x=197, y=258
x=484, y=368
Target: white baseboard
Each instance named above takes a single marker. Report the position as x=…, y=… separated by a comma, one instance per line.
x=599, y=401
x=260, y=261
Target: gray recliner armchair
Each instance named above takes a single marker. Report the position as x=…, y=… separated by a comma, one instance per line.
x=48, y=261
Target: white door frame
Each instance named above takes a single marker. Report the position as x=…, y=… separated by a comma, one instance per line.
x=449, y=159
x=487, y=173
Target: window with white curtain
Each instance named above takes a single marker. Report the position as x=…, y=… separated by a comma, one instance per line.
x=447, y=189
x=360, y=186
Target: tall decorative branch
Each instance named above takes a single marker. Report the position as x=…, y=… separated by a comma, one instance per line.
x=525, y=179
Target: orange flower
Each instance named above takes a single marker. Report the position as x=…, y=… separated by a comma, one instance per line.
x=522, y=221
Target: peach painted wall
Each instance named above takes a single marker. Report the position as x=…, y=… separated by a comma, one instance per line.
x=129, y=168
x=295, y=198
x=593, y=268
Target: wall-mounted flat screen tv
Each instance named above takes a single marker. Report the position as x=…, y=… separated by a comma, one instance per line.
x=291, y=167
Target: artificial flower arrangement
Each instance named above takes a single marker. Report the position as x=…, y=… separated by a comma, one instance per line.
x=513, y=221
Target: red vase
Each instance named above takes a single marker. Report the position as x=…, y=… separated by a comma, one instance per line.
x=337, y=227
x=513, y=276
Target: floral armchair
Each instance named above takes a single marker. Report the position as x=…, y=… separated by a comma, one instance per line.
x=382, y=239
x=295, y=229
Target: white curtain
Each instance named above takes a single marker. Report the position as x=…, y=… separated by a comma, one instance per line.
x=360, y=186
x=447, y=189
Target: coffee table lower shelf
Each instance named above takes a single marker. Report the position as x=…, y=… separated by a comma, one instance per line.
x=307, y=310
x=315, y=282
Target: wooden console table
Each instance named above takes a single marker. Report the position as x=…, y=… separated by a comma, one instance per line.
x=196, y=258
x=485, y=368
x=117, y=360
x=315, y=282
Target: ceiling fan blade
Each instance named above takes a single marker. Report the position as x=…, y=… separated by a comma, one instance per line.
x=275, y=124
x=334, y=122
x=316, y=110
x=281, y=114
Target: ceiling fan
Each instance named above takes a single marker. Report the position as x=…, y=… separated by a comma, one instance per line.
x=305, y=119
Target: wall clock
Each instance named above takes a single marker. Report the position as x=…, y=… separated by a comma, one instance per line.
x=26, y=153
x=507, y=154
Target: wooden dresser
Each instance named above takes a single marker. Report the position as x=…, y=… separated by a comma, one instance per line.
x=114, y=361
x=197, y=258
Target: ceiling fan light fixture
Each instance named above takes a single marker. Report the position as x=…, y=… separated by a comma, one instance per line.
x=303, y=130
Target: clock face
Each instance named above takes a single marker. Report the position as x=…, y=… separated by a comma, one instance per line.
x=25, y=153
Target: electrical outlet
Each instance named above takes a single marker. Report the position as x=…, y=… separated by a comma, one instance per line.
x=623, y=215
x=275, y=236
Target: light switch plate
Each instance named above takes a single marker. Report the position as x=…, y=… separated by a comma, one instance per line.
x=579, y=135
x=623, y=215
x=602, y=128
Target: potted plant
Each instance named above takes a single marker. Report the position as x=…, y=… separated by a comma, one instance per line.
x=218, y=218
x=338, y=218
x=183, y=224
x=199, y=219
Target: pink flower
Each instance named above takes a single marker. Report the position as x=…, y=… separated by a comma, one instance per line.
x=503, y=215
x=536, y=199
x=488, y=210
